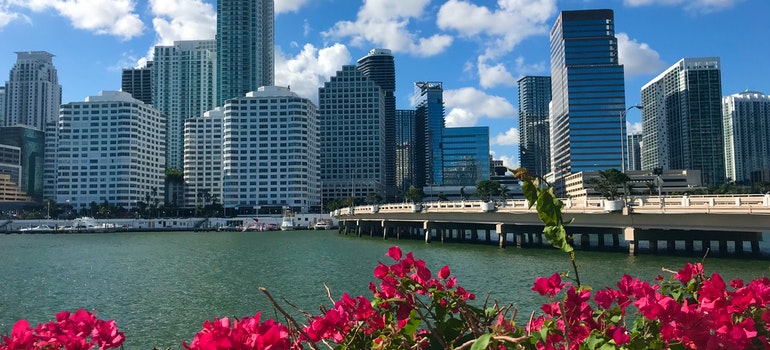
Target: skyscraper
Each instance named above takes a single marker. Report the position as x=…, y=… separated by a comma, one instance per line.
x=534, y=130
x=746, y=118
x=2, y=106
x=185, y=86
x=245, y=39
x=33, y=93
x=352, y=135
x=380, y=67
x=404, y=150
x=429, y=130
x=138, y=82
x=588, y=93
x=466, y=155
x=203, y=158
x=682, y=119
x=634, y=148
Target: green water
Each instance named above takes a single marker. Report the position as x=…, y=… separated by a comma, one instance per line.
x=160, y=287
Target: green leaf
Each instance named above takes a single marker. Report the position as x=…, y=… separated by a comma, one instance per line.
x=530, y=192
x=557, y=236
x=490, y=312
x=413, y=324
x=608, y=346
x=482, y=342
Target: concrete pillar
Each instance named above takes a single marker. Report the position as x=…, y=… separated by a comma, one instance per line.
x=738, y=247
x=632, y=248
x=426, y=226
x=671, y=246
x=615, y=241
x=755, y=247
x=585, y=241
x=630, y=236
x=722, y=247
x=654, y=245
x=501, y=235
x=688, y=247
x=488, y=236
x=705, y=246
x=600, y=241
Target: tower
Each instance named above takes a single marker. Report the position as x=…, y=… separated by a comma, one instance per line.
x=33, y=93
x=682, y=119
x=138, y=82
x=588, y=93
x=747, y=136
x=535, y=143
x=245, y=39
x=428, y=134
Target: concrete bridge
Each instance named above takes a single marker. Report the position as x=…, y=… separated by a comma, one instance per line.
x=648, y=223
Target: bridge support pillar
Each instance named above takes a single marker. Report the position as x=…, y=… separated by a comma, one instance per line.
x=654, y=246
x=615, y=241
x=487, y=236
x=705, y=246
x=633, y=243
x=426, y=227
x=585, y=241
x=688, y=247
x=671, y=246
x=501, y=235
x=722, y=247
x=755, y=247
x=738, y=247
x=600, y=241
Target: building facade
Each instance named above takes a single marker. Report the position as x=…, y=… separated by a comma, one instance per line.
x=110, y=148
x=466, y=155
x=404, y=151
x=746, y=122
x=352, y=116
x=534, y=128
x=2, y=105
x=270, y=154
x=682, y=119
x=203, y=158
x=634, y=149
x=245, y=41
x=588, y=93
x=429, y=130
x=138, y=83
x=380, y=67
x=185, y=87
x=31, y=143
x=33, y=93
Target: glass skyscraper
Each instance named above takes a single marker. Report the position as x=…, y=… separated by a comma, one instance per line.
x=588, y=93
x=245, y=39
x=534, y=131
x=404, y=149
x=138, y=83
x=466, y=155
x=747, y=135
x=429, y=128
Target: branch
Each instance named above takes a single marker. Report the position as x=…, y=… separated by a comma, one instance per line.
x=288, y=317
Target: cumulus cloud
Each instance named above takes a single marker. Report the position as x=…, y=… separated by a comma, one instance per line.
x=7, y=15
x=283, y=6
x=696, y=6
x=113, y=17
x=509, y=138
x=633, y=128
x=638, y=58
x=511, y=162
x=496, y=75
x=467, y=105
x=384, y=23
x=183, y=20
x=309, y=69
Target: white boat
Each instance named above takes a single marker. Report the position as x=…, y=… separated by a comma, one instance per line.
x=39, y=228
x=322, y=225
x=287, y=224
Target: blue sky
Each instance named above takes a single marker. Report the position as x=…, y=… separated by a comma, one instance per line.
x=478, y=49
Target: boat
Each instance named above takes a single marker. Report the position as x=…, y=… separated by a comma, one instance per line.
x=39, y=228
x=323, y=225
x=287, y=223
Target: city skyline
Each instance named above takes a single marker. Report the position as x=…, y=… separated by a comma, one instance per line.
x=478, y=68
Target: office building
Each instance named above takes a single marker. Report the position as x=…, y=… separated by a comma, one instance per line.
x=588, y=94
x=245, y=54
x=466, y=155
x=10, y=170
x=31, y=143
x=109, y=148
x=270, y=154
x=634, y=152
x=429, y=130
x=352, y=135
x=203, y=157
x=404, y=151
x=746, y=121
x=138, y=83
x=2, y=106
x=534, y=129
x=185, y=87
x=380, y=67
x=33, y=93
x=682, y=119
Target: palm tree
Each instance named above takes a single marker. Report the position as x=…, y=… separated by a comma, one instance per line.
x=609, y=183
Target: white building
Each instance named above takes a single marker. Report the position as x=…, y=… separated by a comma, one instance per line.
x=110, y=148
x=271, y=152
x=203, y=157
x=746, y=120
x=33, y=93
x=2, y=105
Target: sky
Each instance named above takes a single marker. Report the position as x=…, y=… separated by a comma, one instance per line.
x=476, y=48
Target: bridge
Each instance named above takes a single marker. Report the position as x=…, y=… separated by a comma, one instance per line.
x=734, y=223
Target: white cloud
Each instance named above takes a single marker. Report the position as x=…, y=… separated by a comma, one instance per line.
x=283, y=6
x=467, y=105
x=7, y=16
x=183, y=20
x=635, y=128
x=509, y=138
x=696, y=6
x=308, y=70
x=511, y=162
x=104, y=17
x=384, y=23
x=638, y=58
x=491, y=76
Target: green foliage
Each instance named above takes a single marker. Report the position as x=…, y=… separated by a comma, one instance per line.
x=609, y=183
x=373, y=198
x=486, y=189
x=414, y=195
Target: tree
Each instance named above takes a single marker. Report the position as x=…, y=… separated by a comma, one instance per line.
x=373, y=198
x=504, y=193
x=414, y=195
x=609, y=183
x=442, y=196
x=486, y=189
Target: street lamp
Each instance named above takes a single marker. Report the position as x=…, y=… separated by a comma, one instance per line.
x=622, y=138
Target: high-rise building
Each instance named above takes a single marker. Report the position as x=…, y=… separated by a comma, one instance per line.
x=245, y=39
x=404, y=150
x=466, y=155
x=2, y=106
x=746, y=118
x=138, y=83
x=682, y=119
x=379, y=66
x=428, y=134
x=184, y=87
x=352, y=135
x=203, y=158
x=31, y=142
x=10, y=167
x=634, y=148
x=588, y=93
x=534, y=130
x=33, y=93
x=110, y=148
x=270, y=152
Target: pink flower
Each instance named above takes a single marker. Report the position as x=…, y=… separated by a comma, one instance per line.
x=444, y=272
x=548, y=286
x=394, y=252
